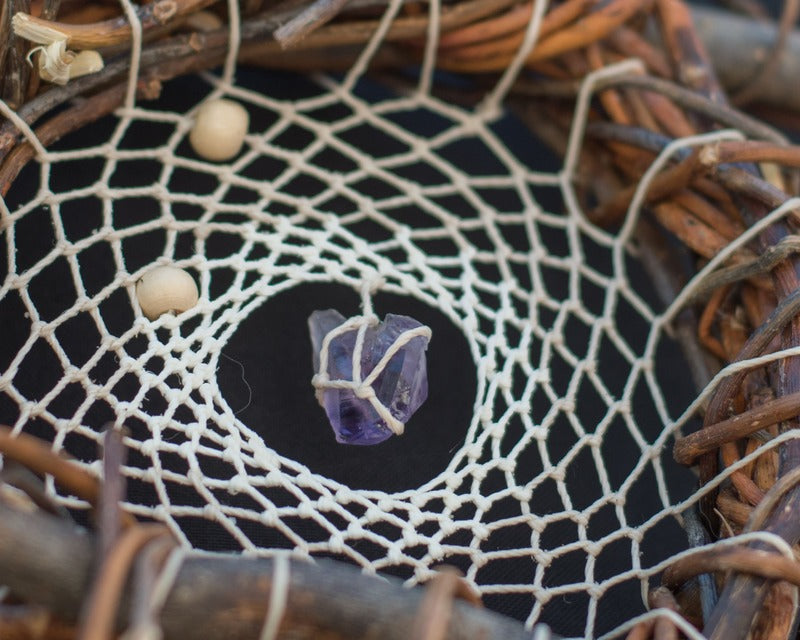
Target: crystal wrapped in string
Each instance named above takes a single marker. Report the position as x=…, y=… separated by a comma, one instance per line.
x=379, y=402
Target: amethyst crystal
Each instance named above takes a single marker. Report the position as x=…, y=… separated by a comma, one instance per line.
x=401, y=387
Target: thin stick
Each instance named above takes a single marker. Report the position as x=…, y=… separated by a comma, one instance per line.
x=688, y=51
x=707, y=320
x=57, y=127
x=5, y=34
x=690, y=447
x=765, y=262
x=695, y=234
x=16, y=475
x=100, y=609
x=705, y=106
x=631, y=44
x=37, y=456
x=112, y=492
x=593, y=27
x=733, y=509
x=745, y=487
x=504, y=35
x=17, y=71
x=434, y=612
x=750, y=151
x=709, y=214
x=665, y=183
x=766, y=564
x=311, y=18
x=662, y=598
x=117, y=30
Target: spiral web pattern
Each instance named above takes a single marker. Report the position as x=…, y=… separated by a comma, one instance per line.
x=566, y=345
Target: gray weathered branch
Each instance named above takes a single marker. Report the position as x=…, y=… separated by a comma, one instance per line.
x=48, y=561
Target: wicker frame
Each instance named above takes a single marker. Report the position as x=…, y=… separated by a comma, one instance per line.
x=705, y=199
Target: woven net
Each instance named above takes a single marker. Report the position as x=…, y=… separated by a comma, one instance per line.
x=553, y=499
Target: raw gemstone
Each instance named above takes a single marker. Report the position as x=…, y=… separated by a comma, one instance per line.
x=401, y=387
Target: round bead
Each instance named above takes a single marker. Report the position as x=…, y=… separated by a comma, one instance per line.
x=166, y=290
x=219, y=129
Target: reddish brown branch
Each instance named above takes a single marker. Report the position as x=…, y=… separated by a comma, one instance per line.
x=117, y=30
x=765, y=564
x=688, y=448
x=37, y=456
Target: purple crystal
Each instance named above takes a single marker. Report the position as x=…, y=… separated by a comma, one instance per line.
x=401, y=387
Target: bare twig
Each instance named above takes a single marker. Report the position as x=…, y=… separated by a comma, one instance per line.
x=688, y=448
x=753, y=561
x=593, y=27
x=117, y=30
x=37, y=456
x=687, y=50
x=17, y=71
x=112, y=492
x=100, y=609
x=17, y=475
x=434, y=612
x=311, y=18
x=688, y=99
x=735, y=273
x=734, y=151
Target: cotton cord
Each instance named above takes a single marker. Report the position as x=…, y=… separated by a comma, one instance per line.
x=136, y=52
x=278, y=596
x=23, y=128
x=145, y=625
x=492, y=103
x=166, y=578
x=541, y=632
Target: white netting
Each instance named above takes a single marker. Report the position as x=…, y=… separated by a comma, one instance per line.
x=565, y=340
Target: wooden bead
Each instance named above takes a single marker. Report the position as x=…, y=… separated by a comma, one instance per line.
x=219, y=129
x=166, y=290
